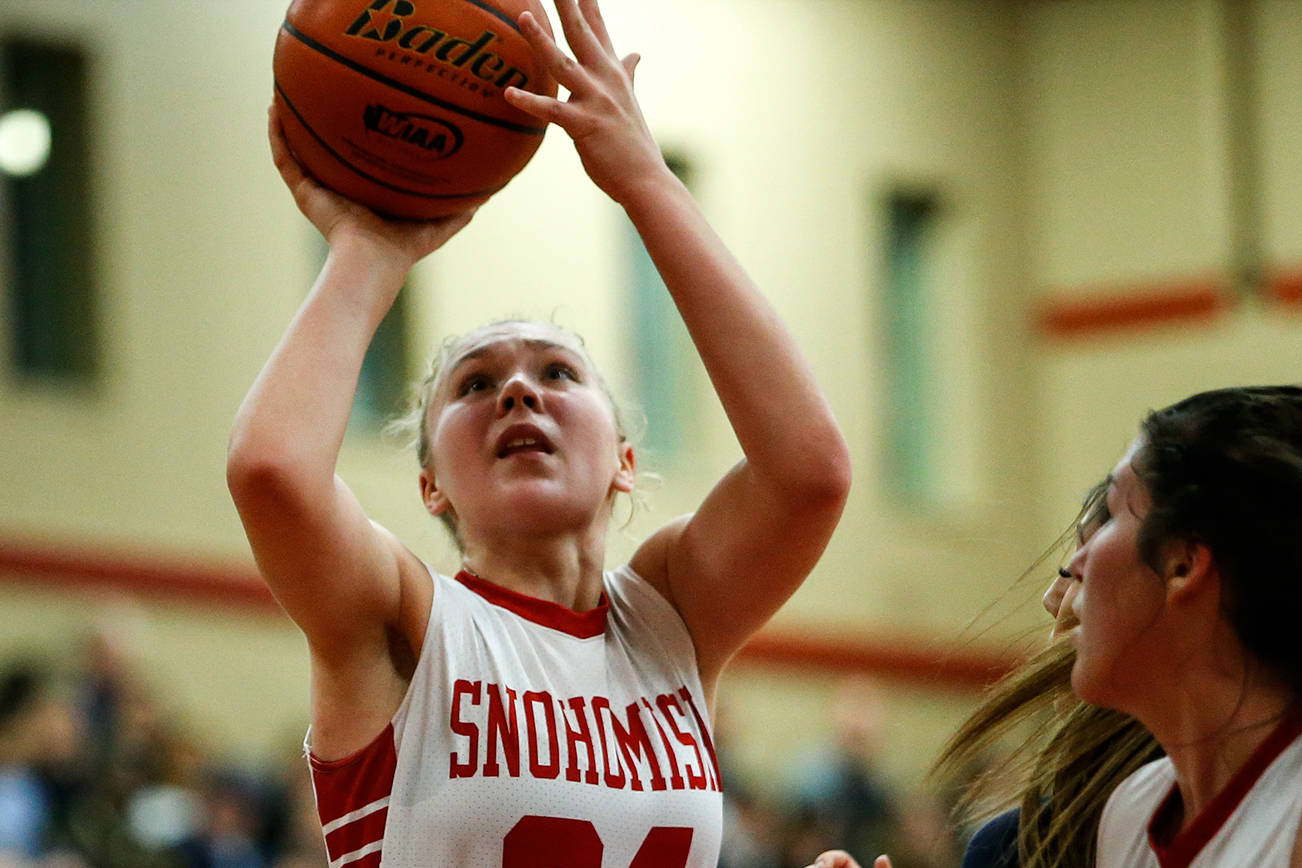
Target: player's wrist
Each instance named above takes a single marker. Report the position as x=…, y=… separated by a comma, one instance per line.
x=369, y=259
x=650, y=189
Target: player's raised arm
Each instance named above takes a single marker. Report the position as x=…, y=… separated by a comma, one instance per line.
x=729, y=566
x=333, y=571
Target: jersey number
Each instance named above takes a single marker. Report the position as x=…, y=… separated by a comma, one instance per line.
x=559, y=842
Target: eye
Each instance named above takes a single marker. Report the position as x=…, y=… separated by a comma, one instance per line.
x=1098, y=516
x=561, y=371
x=473, y=383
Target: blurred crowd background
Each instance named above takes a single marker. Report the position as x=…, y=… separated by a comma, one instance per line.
x=98, y=770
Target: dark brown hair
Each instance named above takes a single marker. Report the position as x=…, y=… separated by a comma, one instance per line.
x=1225, y=468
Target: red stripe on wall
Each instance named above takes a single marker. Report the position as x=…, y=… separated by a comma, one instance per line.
x=908, y=661
x=151, y=576
x=193, y=581
x=1285, y=287
x=1137, y=307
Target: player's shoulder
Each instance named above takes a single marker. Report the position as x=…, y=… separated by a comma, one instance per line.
x=1149, y=782
x=626, y=586
x=995, y=844
x=416, y=591
x=1123, y=826
x=651, y=560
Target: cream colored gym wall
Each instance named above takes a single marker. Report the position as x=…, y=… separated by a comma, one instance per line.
x=1129, y=191
x=201, y=258
x=1280, y=125
x=1126, y=143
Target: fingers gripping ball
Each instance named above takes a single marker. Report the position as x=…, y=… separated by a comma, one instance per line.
x=398, y=103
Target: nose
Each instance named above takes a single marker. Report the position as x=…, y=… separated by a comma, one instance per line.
x=519, y=390
x=1060, y=599
x=1066, y=617
x=1053, y=597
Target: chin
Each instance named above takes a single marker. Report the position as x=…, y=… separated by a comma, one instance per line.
x=1095, y=688
x=1085, y=685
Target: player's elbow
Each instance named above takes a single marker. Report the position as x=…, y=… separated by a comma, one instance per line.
x=258, y=474
x=823, y=485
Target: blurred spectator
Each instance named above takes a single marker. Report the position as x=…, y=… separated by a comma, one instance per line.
x=752, y=826
x=840, y=799
x=296, y=840
x=752, y=831
x=25, y=803
x=96, y=773
x=42, y=766
x=922, y=836
x=166, y=808
x=230, y=835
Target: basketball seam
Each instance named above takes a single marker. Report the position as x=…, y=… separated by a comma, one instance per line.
x=374, y=180
x=404, y=88
x=498, y=13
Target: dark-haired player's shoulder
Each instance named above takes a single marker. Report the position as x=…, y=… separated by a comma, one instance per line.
x=995, y=844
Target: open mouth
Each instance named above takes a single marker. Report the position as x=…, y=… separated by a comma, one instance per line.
x=523, y=439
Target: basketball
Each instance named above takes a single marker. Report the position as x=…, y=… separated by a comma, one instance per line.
x=398, y=104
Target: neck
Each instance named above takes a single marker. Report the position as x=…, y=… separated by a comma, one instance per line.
x=1210, y=726
x=565, y=570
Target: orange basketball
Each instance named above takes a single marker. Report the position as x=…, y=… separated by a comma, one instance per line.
x=398, y=103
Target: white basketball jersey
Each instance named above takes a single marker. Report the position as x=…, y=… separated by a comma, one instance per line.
x=1252, y=823
x=535, y=736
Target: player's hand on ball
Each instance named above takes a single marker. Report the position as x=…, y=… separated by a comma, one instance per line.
x=601, y=115
x=401, y=243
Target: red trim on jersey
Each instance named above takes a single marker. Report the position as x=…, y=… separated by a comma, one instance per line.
x=584, y=625
x=1185, y=846
x=354, y=836
x=351, y=784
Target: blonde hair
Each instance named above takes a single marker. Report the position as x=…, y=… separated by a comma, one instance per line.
x=412, y=426
x=1061, y=777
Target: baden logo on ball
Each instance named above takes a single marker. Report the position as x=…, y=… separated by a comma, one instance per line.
x=373, y=93
x=424, y=41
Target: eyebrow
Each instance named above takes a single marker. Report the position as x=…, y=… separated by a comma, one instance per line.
x=487, y=349
x=1098, y=495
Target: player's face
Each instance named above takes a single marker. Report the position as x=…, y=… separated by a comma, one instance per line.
x=523, y=434
x=1113, y=600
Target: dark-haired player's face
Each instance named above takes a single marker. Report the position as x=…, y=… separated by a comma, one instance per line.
x=1116, y=600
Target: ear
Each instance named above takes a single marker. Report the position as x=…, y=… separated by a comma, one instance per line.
x=1189, y=570
x=626, y=473
x=436, y=502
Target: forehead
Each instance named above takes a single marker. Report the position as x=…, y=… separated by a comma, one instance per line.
x=1121, y=484
x=1123, y=474
x=504, y=338
x=1125, y=486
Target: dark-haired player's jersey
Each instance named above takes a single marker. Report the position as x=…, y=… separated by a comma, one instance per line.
x=1252, y=823
x=532, y=735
